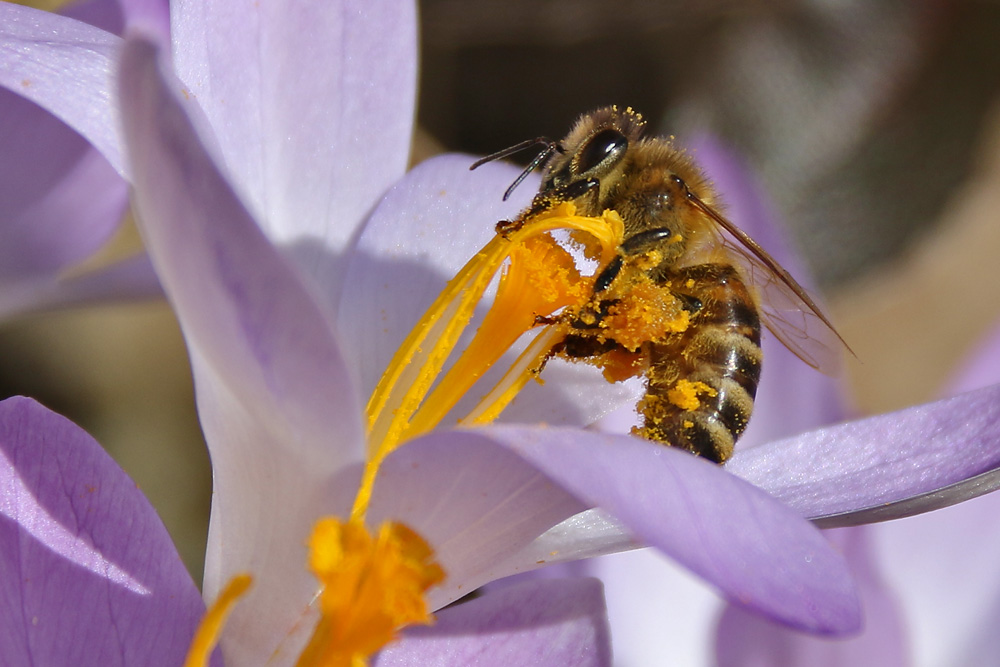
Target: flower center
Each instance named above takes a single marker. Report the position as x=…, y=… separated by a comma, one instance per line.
x=371, y=587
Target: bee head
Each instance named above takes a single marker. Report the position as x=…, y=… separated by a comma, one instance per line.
x=594, y=148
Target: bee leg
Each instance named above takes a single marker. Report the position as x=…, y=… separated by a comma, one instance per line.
x=644, y=241
x=634, y=245
x=608, y=275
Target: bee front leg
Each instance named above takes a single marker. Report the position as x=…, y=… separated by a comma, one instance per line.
x=633, y=245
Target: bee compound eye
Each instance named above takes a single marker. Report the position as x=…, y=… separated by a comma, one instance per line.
x=604, y=148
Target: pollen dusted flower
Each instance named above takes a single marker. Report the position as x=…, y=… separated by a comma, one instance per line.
x=256, y=177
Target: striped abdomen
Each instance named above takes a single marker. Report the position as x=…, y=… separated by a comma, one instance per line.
x=701, y=383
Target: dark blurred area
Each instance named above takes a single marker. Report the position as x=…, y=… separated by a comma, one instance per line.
x=873, y=126
x=860, y=118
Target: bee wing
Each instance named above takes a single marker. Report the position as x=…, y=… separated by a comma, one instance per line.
x=786, y=308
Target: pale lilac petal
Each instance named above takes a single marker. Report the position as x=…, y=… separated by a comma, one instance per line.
x=659, y=612
x=943, y=566
x=730, y=533
x=475, y=501
x=60, y=200
x=127, y=280
x=423, y=231
x=277, y=405
x=150, y=16
x=746, y=640
x=66, y=67
x=103, y=14
x=758, y=552
x=552, y=622
x=312, y=104
x=90, y=574
x=838, y=472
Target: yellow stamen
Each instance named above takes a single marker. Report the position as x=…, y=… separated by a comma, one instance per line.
x=207, y=636
x=372, y=586
x=403, y=388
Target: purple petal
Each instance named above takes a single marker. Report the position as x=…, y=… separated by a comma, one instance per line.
x=150, y=16
x=745, y=640
x=475, y=501
x=312, y=104
x=60, y=199
x=130, y=279
x=64, y=66
x=659, y=612
x=90, y=574
x=847, y=468
x=758, y=552
x=103, y=14
x=423, y=231
x=728, y=532
x=277, y=406
x=552, y=622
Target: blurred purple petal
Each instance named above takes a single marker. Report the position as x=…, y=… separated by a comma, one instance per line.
x=59, y=200
x=313, y=109
x=847, y=468
x=944, y=567
x=130, y=279
x=552, y=622
x=659, y=612
x=90, y=574
x=753, y=549
x=150, y=16
x=277, y=405
x=66, y=67
x=747, y=640
x=103, y=14
x=473, y=499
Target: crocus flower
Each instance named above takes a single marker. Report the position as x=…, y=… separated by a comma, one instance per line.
x=252, y=176
x=91, y=577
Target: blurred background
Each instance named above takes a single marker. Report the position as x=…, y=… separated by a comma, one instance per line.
x=874, y=127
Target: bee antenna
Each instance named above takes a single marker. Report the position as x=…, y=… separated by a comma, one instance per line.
x=548, y=148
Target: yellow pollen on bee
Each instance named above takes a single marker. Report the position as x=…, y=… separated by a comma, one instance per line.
x=684, y=394
x=646, y=312
x=687, y=424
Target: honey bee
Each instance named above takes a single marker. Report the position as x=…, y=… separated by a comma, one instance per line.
x=678, y=252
